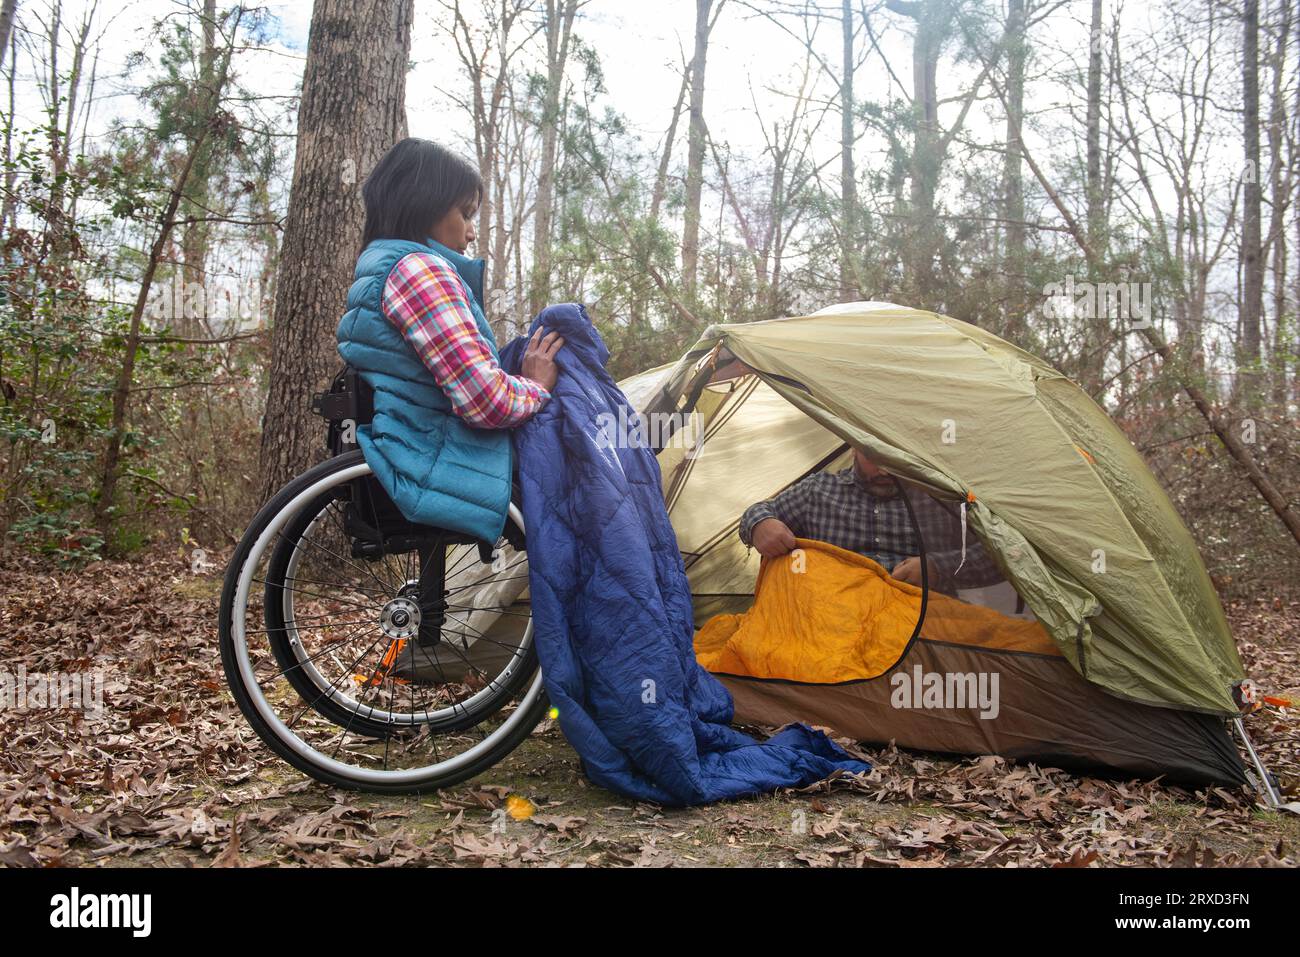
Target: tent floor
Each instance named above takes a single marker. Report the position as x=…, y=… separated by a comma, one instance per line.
x=1045, y=713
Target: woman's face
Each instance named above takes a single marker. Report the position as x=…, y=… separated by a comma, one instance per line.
x=456, y=229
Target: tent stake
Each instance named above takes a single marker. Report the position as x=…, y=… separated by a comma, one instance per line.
x=1270, y=796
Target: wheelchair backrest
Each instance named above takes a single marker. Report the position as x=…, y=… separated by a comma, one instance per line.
x=348, y=403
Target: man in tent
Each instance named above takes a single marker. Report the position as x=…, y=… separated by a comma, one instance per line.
x=861, y=509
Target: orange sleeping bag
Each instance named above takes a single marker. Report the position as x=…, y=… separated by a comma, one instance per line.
x=824, y=615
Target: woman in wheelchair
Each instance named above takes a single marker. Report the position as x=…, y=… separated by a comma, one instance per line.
x=442, y=434
x=375, y=625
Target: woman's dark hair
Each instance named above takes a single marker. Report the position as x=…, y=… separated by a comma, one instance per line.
x=414, y=185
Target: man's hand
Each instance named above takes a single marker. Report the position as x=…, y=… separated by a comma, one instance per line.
x=539, y=359
x=772, y=538
x=909, y=570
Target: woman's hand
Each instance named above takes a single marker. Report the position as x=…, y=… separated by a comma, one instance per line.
x=539, y=359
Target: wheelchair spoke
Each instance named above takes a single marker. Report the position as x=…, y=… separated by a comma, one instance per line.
x=471, y=551
x=333, y=599
x=329, y=649
x=354, y=585
x=386, y=589
x=333, y=684
x=459, y=588
x=478, y=635
x=343, y=735
x=498, y=609
x=312, y=594
x=263, y=631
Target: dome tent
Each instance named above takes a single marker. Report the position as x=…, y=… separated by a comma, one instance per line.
x=1136, y=665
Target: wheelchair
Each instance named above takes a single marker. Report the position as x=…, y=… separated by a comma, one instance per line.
x=370, y=652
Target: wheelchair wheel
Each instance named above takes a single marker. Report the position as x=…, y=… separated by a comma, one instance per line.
x=317, y=625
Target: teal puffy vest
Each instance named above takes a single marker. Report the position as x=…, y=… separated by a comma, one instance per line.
x=438, y=469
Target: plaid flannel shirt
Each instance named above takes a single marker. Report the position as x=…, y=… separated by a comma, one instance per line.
x=835, y=507
x=427, y=300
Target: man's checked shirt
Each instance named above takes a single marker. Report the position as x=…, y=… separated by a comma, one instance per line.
x=428, y=302
x=834, y=507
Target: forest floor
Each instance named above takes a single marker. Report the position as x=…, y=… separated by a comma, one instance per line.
x=172, y=775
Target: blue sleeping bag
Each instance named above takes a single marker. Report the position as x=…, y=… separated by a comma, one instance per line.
x=611, y=604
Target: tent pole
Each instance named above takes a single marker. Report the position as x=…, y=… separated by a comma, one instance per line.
x=1266, y=786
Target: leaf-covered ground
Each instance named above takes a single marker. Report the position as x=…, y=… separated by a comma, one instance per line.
x=172, y=775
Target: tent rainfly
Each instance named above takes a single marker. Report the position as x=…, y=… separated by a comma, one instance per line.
x=1131, y=666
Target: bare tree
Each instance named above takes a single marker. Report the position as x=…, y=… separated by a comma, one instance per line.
x=1294, y=146
x=769, y=213
x=559, y=33
x=1173, y=144
x=489, y=50
x=666, y=154
x=1096, y=207
x=1219, y=425
x=848, y=176
x=809, y=16
x=61, y=93
x=696, y=145
x=1281, y=173
x=1013, y=190
x=204, y=120
x=1252, y=262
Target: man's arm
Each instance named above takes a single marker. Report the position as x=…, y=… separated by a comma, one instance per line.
x=788, y=506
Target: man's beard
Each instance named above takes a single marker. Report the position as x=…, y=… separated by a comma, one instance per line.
x=882, y=486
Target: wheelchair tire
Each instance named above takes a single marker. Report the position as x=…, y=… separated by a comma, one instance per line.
x=284, y=520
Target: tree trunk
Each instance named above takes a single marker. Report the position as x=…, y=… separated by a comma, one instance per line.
x=1252, y=262
x=1279, y=187
x=9, y=207
x=559, y=27
x=7, y=10
x=695, y=151
x=1094, y=360
x=1015, y=305
x=1293, y=391
x=848, y=178
x=352, y=110
x=921, y=244
x=1094, y=197
x=661, y=174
